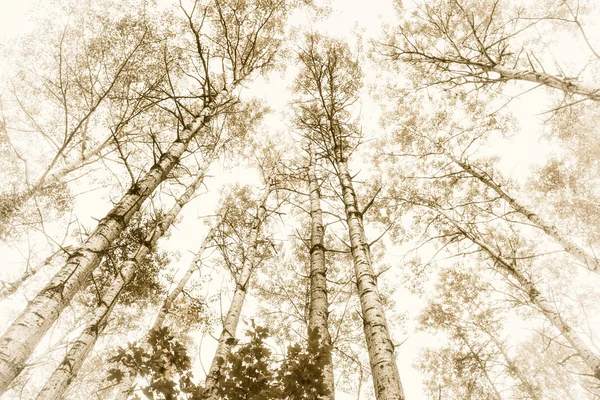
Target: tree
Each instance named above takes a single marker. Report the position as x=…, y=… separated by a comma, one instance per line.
x=241, y=275
x=57, y=383
x=319, y=304
x=245, y=50
x=458, y=42
x=127, y=382
x=377, y=218
x=98, y=77
x=328, y=85
x=464, y=309
x=299, y=376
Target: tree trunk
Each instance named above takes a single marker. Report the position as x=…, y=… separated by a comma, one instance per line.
x=235, y=309
x=565, y=84
x=21, y=338
x=386, y=379
x=63, y=375
x=126, y=387
x=589, y=262
x=319, y=304
x=58, y=383
x=591, y=359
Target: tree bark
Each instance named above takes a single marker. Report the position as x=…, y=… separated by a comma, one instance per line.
x=319, y=304
x=386, y=379
x=566, y=85
x=126, y=387
x=63, y=375
x=589, y=262
x=235, y=309
x=21, y=338
x=59, y=381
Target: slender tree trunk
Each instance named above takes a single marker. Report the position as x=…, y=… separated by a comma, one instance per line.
x=566, y=85
x=235, y=309
x=126, y=387
x=21, y=338
x=57, y=175
x=510, y=270
x=386, y=379
x=59, y=381
x=589, y=262
x=319, y=304
x=63, y=375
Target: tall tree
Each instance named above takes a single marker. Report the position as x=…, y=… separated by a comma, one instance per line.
x=463, y=41
x=319, y=305
x=97, y=78
x=328, y=85
x=245, y=46
x=512, y=271
x=126, y=386
x=242, y=276
x=58, y=382
x=456, y=139
x=465, y=308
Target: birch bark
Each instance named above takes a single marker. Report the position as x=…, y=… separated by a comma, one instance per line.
x=59, y=381
x=319, y=304
x=233, y=315
x=21, y=338
x=386, y=378
x=566, y=85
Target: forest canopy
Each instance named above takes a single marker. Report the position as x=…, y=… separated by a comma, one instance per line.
x=298, y=199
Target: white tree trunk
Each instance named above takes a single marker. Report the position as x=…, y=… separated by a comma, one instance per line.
x=58, y=383
x=125, y=388
x=386, y=379
x=589, y=262
x=235, y=309
x=565, y=84
x=21, y=338
x=63, y=375
x=319, y=304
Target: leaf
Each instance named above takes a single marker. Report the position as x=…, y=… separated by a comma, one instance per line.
x=115, y=374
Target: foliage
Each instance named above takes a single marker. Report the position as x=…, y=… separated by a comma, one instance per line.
x=165, y=365
x=146, y=285
x=251, y=371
